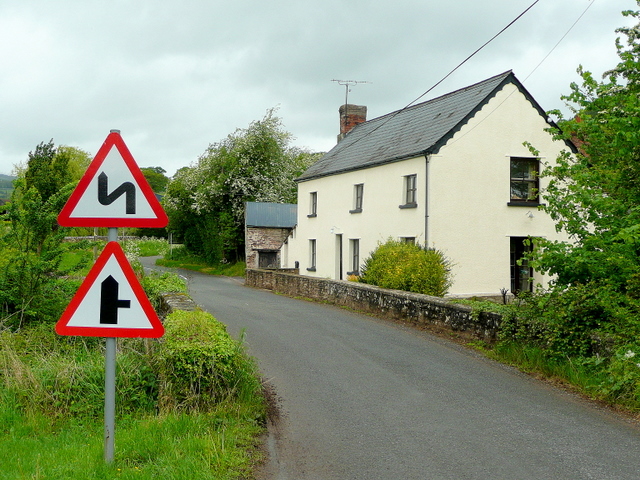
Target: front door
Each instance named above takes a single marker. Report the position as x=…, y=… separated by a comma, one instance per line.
x=521, y=272
x=338, y=274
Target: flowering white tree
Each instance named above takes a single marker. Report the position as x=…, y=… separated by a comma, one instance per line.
x=205, y=202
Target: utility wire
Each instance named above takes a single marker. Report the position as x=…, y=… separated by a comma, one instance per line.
x=473, y=54
x=591, y=2
x=451, y=72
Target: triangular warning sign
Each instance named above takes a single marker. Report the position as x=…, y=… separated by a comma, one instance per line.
x=113, y=192
x=110, y=302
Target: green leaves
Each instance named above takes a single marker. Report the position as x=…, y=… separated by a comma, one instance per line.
x=405, y=266
x=199, y=364
x=31, y=248
x=205, y=203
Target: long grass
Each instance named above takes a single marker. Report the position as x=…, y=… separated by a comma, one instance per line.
x=51, y=414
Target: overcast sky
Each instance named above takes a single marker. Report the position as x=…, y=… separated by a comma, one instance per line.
x=175, y=76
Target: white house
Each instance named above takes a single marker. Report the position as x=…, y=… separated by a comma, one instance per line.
x=452, y=173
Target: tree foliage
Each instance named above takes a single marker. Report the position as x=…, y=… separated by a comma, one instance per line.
x=156, y=177
x=205, y=202
x=31, y=248
x=594, y=196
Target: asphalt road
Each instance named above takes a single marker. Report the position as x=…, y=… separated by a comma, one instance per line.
x=362, y=398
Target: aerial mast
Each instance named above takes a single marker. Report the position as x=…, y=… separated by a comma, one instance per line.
x=347, y=84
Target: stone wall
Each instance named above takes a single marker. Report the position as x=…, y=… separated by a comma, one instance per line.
x=391, y=304
x=170, y=302
x=259, y=239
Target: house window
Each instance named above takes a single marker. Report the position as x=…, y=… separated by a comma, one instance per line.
x=312, y=256
x=521, y=272
x=524, y=181
x=313, y=204
x=358, y=193
x=409, y=240
x=410, y=188
x=354, y=253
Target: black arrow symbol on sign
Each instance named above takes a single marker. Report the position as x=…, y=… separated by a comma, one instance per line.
x=109, y=302
x=106, y=198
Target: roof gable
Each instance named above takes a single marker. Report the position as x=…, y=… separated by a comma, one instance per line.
x=413, y=131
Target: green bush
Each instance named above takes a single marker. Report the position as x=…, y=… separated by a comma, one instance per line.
x=199, y=364
x=410, y=267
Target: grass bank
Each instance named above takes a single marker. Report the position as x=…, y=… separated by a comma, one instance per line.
x=188, y=406
x=607, y=372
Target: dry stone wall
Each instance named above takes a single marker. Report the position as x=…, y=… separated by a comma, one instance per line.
x=391, y=304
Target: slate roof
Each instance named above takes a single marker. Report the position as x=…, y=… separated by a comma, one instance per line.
x=270, y=215
x=414, y=131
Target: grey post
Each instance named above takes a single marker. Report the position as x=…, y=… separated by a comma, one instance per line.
x=110, y=384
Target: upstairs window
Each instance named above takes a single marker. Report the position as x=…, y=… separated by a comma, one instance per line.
x=313, y=204
x=524, y=181
x=410, y=189
x=358, y=193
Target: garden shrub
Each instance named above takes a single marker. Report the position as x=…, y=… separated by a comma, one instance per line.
x=199, y=364
x=410, y=267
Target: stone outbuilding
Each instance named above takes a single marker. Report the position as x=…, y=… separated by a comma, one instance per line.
x=267, y=228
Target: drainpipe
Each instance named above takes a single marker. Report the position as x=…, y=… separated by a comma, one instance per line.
x=426, y=200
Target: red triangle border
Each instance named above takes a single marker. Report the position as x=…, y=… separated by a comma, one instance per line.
x=112, y=249
x=65, y=217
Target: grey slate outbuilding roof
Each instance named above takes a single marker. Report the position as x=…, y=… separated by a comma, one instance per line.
x=270, y=215
x=414, y=131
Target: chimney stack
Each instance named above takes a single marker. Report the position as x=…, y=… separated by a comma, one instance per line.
x=350, y=116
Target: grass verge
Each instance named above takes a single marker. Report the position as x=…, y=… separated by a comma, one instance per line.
x=219, y=444
x=179, y=257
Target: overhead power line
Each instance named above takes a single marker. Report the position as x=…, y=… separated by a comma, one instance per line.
x=452, y=71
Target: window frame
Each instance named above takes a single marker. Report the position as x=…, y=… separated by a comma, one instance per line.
x=313, y=205
x=313, y=254
x=354, y=256
x=532, y=182
x=358, y=197
x=410, y=191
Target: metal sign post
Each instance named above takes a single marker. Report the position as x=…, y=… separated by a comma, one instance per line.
x=110, y=384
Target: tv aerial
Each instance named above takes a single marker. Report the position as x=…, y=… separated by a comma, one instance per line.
x=347, y=84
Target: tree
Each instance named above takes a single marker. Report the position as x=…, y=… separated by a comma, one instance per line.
x=156, y=177
x=205, y=203
x=31, y=248
x=594, y=196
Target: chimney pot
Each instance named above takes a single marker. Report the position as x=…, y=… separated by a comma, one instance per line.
x=350, y=116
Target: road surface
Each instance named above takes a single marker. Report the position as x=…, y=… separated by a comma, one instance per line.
x=362, y=398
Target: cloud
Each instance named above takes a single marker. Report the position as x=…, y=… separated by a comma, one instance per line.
x=176, y=76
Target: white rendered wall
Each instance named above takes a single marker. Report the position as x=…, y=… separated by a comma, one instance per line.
x=380, y=218
x=469, y=189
